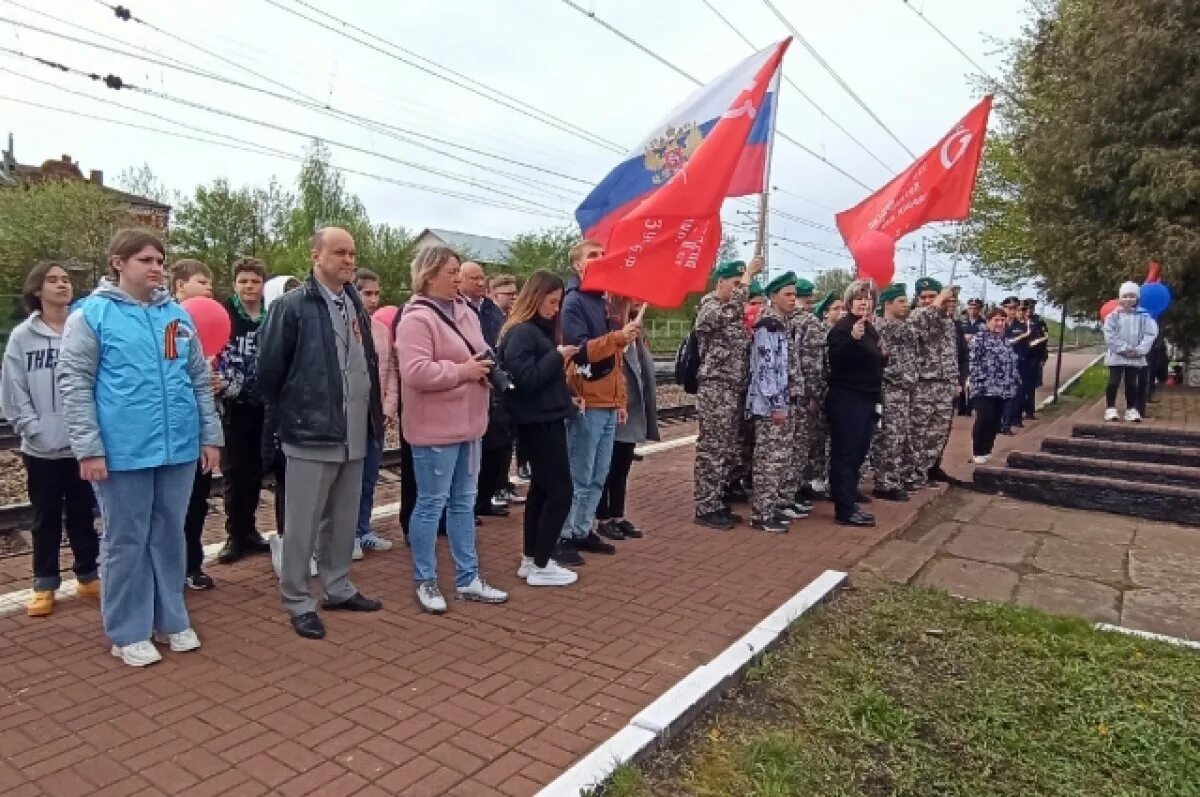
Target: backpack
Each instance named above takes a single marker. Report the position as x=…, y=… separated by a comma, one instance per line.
x=687, y=363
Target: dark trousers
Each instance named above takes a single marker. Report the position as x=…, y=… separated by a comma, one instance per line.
x=193, y=521
x=612, y=499
x=493, y=473
x=550, y=489
x=54, y=484
x=242, y=467
x=1132, y=376
x=988, y=412
x=851, y=426
x=1029, y=370
x=1145, y=390
x=962, y=401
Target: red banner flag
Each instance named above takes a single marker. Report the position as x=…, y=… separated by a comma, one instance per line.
x=937, y=187
x=664, y=248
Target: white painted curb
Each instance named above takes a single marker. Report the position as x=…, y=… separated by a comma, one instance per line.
x=1048, y=400
x=1170, y=640
x=679, y=705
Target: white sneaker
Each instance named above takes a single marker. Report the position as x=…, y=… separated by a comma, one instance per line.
x=552, y=575
x=430, y=597
x=819, y=485
x=182, y=642
x=525, y=568
x=1133, y=415
x=312, y=567
x=373, y=542
x=481, y=592
x=1111, y=414
x=276, y=544
x=358, y=554
x=139, y=654
x=981, y=459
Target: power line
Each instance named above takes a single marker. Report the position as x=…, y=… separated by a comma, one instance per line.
x=799, y=90
x=259, y=149
x=679, y=71
x=949, y=41
x=833, y=73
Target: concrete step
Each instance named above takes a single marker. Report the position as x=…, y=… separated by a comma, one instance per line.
x=1093, y=448
x=1137, y=433
x=1138, y=499
x=1109, y=468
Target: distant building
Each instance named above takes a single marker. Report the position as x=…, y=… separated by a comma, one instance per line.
x=146, y=212
x=482, y=249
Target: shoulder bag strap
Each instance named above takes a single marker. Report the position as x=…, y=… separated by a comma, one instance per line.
x=446, y=319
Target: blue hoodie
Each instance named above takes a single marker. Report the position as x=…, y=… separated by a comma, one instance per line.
x=30, y=396
x=135, y=385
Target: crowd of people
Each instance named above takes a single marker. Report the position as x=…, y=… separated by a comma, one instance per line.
x=119, y=410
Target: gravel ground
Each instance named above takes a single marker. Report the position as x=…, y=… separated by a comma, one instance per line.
x=12, y=479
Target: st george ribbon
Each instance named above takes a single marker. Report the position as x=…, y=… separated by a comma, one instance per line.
x=658, y=213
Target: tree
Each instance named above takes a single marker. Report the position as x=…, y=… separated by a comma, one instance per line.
x=388, y=251
x=834, y=279
x=541, y=250
x=142, y=181
x=70, y=220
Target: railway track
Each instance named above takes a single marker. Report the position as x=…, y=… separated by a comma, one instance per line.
x=14, y=517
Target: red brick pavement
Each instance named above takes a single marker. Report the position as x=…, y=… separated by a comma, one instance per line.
x=487, y=700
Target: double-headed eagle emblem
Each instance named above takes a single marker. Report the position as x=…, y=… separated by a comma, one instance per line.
x=669, y=153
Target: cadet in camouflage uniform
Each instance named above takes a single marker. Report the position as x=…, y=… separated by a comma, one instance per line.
x=828, y=311
x=742, y=477
x=769, y=401
x=808, y=333
x=892, y=452
x=937, y=378
x=724, y=351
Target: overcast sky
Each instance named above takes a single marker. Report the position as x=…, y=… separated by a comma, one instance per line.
x=541, y=52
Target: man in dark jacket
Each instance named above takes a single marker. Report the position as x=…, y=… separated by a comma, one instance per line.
x=318, y=368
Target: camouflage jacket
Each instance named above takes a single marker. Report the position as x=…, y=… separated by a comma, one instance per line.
x=810, y=332
x=899, y=341
x=724, y=348
x=937, y=346
x=796, y=355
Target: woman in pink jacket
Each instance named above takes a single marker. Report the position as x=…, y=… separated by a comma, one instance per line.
x=444, y=391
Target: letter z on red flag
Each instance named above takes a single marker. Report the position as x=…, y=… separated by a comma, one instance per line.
x=663, y=247
x=936, y=188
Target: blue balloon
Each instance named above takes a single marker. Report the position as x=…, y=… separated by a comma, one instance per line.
x=1155, y=298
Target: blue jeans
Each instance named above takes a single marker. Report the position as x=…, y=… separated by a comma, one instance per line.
x=142, y=557
x=446, y=480
x=589, y=448
x=370, y=477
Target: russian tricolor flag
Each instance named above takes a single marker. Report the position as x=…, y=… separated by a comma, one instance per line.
x=658, y=212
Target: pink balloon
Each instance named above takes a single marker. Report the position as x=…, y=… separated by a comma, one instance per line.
x=875, y=254
x=1108, y=307
x=211, y=321
x=386, y=315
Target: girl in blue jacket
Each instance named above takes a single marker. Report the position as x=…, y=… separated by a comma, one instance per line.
x=137, y=393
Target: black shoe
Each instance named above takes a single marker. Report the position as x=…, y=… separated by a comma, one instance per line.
x=806, y=493
x=309, y=625
x=861, y=519
x=821, y=495
x=1031, y=416
x=773, y=525
x=566, y=555
x=862, y=498
x=629, y=530
x=722, y=521
x=355, y=603
x=592, y=544
x=638, y=457
x=609, y=530
x=199, y=580
x=736, y=494
x=232, y=551
x=255, y=544
x=910, y=486
x=894, y=494
x=802, y=504
x=734, y=517
x=936, y=474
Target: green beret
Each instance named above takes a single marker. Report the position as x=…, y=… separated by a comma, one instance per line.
x=781, y=282
x=730, y=268
x=893, y=291
x=822, y=307
x=928, y=284
x=756, y=289
x=804, y=287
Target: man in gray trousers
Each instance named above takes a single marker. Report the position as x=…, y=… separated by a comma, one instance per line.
x=317, y=369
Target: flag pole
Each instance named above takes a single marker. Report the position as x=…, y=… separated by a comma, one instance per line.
x=760, y=243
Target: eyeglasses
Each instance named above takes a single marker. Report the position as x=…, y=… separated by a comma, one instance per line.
x=594, y=254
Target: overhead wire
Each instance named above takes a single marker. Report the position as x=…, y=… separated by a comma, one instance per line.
x=798, y=90
x=834, y=74
x=949, y=41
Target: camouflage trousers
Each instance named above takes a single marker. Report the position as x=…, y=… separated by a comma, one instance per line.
x=932, y=412
x=774, y=461
x=802, y=428
x=718, y=447
x=743, y=469
x=892, y=454
x=817, y=467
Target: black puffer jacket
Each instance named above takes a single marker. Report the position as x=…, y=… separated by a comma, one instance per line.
x=298, y=370
x=529, y=354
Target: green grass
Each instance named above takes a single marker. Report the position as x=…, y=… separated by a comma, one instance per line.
x=900, y=691
x=1091, y=385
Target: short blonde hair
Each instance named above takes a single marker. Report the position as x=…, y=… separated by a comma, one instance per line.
x=428, y=262
x=576, y=252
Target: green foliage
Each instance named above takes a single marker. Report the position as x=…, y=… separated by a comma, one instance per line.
x=835, y=279
x=69, y=220
x=541, y=250
x=142, y=180
x=388, y=251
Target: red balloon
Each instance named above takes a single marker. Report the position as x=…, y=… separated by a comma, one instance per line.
x=875, y=254
x=385, y=315
x=1152, y=272
x=211, y=321
x=1108, y=307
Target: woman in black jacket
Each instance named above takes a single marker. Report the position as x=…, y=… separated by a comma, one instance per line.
x=855, y=392
x=539, y=406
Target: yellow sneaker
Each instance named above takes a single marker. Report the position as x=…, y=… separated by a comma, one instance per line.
x=41, y=604
x=89, y=591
